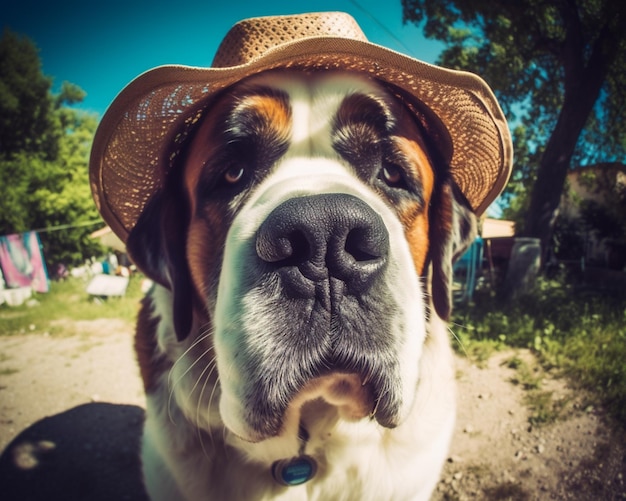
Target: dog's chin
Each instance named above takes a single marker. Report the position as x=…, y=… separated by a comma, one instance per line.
x=330, y=397
x=352, y=397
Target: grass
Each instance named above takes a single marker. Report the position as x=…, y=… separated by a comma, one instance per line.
x=67, y=300
x=527, y=377
x=544, y=407
x=579, y=332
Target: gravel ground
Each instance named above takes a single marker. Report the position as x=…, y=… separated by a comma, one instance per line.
x=71, y=409
x=498, y=455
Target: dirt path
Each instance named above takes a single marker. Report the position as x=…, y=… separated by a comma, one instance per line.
x=498, y=455
x=56, y=396
x=42, y=375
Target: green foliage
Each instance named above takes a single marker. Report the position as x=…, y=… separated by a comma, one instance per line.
x=27, y=122
x=579, y=332
x=601, y=214
x=43, y=156
x=607, y=220
x=558, y=70
x=518, y=47
x=568, y=239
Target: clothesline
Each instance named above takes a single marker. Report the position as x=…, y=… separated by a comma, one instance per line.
x=64, y=227
x=22, y=264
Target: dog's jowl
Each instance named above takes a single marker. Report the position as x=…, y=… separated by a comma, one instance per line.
x=299, y=209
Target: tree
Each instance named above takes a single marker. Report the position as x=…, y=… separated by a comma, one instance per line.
x=26, y=106
x=558, y=68
x=44, y=151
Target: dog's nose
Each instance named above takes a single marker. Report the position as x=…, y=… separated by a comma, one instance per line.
x=314, y=238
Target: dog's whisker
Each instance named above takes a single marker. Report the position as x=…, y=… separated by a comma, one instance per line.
x=211, y=364
x=210, y=404
x=203, y=335
x=375, y=409
x=172, y=391
x=206, y=375
x=172, y=384
x=183, y=357
x=458, y=339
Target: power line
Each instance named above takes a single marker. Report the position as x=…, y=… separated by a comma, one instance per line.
x=383, y=27
x=67, y=226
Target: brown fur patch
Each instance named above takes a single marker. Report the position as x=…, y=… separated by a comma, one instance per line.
x=258, y=121
x=271, y=111
x=205, y=244
x=151, y=365
x=414, y=215
x=368, y=129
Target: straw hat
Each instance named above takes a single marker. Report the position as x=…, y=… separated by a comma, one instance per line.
x=139, y=134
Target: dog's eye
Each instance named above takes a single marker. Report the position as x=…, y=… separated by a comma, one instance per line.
x=234, y=175
x=393, y=176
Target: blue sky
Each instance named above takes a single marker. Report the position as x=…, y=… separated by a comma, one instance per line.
x=101, y=46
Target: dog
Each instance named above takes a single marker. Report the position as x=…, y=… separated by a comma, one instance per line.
x=294, y=345
x=299, y=205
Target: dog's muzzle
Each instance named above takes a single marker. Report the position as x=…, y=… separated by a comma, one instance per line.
x=320, y=322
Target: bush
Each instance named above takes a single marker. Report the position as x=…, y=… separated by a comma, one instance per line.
x=581, y=332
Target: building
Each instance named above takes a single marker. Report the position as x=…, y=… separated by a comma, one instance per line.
x=594, y=205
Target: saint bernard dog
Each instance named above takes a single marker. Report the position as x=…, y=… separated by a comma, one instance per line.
x=294, y=346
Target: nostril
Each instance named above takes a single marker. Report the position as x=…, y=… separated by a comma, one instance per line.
x=362, y=247
x=300, y=246
x=284, y=250
x=299, y=249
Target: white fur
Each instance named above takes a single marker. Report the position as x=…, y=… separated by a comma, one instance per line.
x=367, y=462
x=192, y=448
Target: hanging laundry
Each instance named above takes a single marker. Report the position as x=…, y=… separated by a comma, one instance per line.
x=22, y=261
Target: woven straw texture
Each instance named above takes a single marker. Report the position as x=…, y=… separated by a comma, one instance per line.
x=139, y=135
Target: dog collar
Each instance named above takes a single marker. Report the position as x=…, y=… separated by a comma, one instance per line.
x=296, y=470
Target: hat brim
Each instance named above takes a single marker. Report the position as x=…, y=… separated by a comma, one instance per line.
x=127, y=165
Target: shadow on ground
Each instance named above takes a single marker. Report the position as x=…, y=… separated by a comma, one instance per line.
x=89, y=453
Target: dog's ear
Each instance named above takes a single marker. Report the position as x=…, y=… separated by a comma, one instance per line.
x=157, y=245
x=452, y=231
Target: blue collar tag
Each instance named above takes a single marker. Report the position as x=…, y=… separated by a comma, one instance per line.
x=294, y=471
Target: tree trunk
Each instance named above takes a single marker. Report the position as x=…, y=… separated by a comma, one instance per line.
x=555, y=162
x=582, y=89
